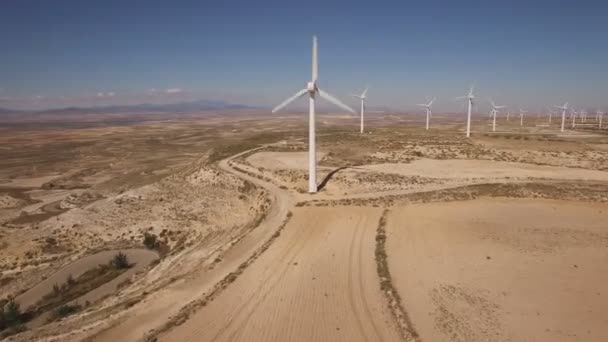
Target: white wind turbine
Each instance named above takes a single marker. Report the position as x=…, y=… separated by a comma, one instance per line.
x=583, y=115
x=427, y=108
x=362, y=98
x=564, y=108
x=521, y=116
x=469, y=97
x=493, y=112
x=599, y=118
x=573, y=114
x=551, y=112
x=313, y=89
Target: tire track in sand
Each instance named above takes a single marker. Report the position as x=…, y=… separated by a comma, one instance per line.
x=355, y=284
x=317, y=282
x=272, y=279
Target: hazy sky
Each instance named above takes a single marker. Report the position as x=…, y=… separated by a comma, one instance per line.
x=528, y=53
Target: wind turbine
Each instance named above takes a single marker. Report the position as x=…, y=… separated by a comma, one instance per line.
x=427, y=108
x=493, y=112
x=521, y=116
x=469, y=98
x=551, y=112
x=573, y=114
x=564, y=108
x=599, y=118
x=362, y=98
x=312, y=89
x=583, y=115
x=508, y=115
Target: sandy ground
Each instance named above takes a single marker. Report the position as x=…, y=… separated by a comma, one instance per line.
x=502, y=269
x=474, y=169
x=282, y=160
x=140, y=258
x=153, y=312
x=318, y=279
x=317, y=282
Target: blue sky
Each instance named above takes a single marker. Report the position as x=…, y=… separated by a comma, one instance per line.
x=521, y=53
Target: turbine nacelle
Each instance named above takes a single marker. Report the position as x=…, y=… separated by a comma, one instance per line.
x=311, y=87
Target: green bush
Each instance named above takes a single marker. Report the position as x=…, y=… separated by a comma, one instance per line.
x=150, y=241
x=66, y=310
x=120, y=261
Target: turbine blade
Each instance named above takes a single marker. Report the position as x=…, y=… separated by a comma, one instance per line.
x=335, y=101
x=431, y=103
x=365, y=91
x=315, y=67
x=289, y=100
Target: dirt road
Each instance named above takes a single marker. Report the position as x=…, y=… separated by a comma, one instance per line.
x=317, y=282
x=167, y=302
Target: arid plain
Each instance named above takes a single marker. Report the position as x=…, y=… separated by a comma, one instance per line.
x=414, y=235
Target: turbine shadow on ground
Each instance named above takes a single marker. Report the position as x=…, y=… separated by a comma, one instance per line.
x=328, y=177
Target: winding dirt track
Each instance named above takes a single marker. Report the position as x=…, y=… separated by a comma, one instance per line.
x=317, y=282
x=154, y=312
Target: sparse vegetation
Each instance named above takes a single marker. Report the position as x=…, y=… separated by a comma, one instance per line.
x=120, y=261
x=150, y=241
x=11, y=318
x=62, y=294
x=64, y=311
x=386, y=283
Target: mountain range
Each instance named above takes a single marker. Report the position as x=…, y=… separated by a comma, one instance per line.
x=181, y=107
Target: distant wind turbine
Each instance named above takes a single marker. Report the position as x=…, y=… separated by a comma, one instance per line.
x=493, y=112
x=551, y=112
x=573, y=114
x=469, y=97
x=599, y=118
x=312, y=89
x=427, y=108
x=564, y=108
x=583, y=115
x=362, y=98
x=521, y=116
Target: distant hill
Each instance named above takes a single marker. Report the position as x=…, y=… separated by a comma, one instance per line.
x=7, y=111
x=181, y=107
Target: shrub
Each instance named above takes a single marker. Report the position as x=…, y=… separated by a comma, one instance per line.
x=12, y=313
x=150, y=241
x=120, y=261
x=66, y=310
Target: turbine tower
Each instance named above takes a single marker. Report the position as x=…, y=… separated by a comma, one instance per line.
x=493, y=112
x=469, y=97
x=312, y=89
x=564, y=108
x=362, y=98
x=583, y=114
x=521, y=116
x=551, y=112
x=429, y=113
x=599, y=118
x=573, y=114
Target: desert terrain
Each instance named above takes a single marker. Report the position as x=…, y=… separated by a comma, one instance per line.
x=200, y=228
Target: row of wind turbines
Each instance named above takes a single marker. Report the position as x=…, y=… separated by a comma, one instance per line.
x=312, y=90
